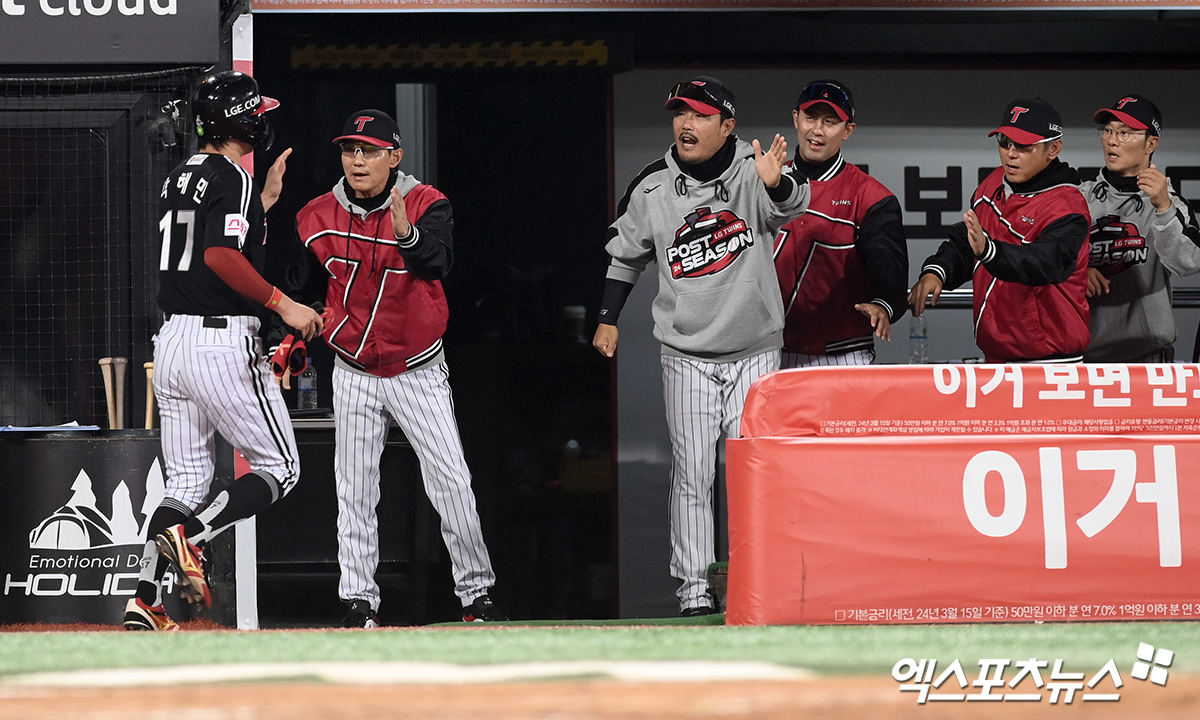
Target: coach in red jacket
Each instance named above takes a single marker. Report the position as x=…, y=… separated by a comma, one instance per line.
x=378, y=245
x=843, y=264
x=1023, y=245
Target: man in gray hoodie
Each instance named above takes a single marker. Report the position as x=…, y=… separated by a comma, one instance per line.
x=706, y=213
x=1143, y=234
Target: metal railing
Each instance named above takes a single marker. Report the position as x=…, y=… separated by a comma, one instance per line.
x=1182, y=297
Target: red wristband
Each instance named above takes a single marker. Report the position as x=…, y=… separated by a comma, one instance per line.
x=276, y=296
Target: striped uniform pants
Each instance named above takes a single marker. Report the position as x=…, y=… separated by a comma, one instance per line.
x=789, y=360
x=215, y=379
x=703, y=399
x=422, y=405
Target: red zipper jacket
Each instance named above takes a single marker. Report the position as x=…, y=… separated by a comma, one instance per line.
x=386, y=309
x=847, y=248
x=1030, y=284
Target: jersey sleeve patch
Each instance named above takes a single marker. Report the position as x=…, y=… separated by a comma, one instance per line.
x=236, y=226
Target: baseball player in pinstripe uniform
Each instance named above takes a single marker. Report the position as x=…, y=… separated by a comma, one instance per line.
x=706, y=213
x=843, y=265
x=378, y=246
x=210, y=373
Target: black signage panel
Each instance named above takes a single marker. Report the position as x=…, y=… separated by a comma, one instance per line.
x=75, y=513
x=77, y=32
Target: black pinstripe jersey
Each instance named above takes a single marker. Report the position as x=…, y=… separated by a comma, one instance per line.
x=207, y=201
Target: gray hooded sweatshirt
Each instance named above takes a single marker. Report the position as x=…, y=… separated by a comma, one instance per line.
x=1138, y=249
x=718, y=298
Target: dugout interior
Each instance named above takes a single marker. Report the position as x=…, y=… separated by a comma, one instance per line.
x=83, y=158
x=531, y=159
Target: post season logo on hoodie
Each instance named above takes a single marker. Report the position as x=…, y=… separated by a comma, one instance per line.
x=707, y=243
x=1116, y=245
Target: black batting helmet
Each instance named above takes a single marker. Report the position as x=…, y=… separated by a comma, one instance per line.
x=228, y=106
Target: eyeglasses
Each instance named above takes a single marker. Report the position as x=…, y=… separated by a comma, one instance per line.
x=369, y=152
x=1124, y=135
x=691, y=91
x=1006, y=142
x=829, y=92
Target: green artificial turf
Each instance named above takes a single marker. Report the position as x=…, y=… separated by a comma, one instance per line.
x=871, y=650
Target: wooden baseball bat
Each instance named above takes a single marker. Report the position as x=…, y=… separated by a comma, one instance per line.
x=119, y=364
x=149, y=394
x=106, y=371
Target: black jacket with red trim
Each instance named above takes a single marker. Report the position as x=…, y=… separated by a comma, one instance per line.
x=847, y=248
x=1030, y=284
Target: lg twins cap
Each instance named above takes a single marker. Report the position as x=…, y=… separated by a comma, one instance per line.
x=1028, y=122
x=371, y=126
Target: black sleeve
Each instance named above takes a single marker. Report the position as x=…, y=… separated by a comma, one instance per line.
x=783, y=191
x=953, y=262
x=616, y=293
x=305, y=280
x=428, y=251
x=1049, y=259
x=883, y=250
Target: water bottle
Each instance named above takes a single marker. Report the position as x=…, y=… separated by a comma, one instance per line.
x=918, y=341
x=306, y=390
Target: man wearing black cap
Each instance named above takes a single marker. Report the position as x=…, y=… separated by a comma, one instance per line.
x=1143, y=233
x=705, y=213
x=1023, y=246
x=843, y=265
x=209, y=369
x=379, y=245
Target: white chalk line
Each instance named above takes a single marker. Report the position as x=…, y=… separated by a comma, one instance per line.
x=408, y=673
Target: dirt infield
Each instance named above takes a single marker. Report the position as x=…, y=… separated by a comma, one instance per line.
x=189, y=625
x=573, y=698
x=875, y=698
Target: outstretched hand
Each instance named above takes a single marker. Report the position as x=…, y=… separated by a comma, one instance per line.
x=273, y=185
x=928, y=288
x=400, y=224
x=880, y=322
x=769, y=164
x=301, y=317
x=975, y=235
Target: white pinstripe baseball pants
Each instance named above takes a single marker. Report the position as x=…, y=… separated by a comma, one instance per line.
x=216, y=379
x=703, y=399
x=421, y=403
x=790, y=360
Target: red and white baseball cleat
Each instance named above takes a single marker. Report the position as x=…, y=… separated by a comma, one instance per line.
x=140, y=616
x=186, y=557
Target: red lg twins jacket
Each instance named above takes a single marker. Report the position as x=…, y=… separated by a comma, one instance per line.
x=847, y=248
x=1030, y=284
x=386, y=309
